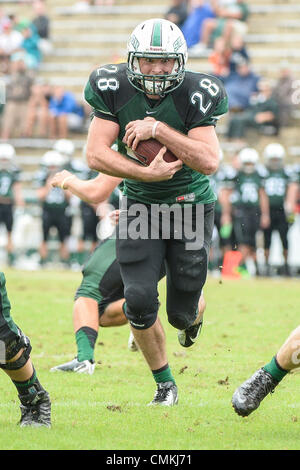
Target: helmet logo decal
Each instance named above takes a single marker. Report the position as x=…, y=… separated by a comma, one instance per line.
x=177, y=44
x=135, y=42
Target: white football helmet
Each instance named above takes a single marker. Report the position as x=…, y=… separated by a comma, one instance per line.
x=7, y=154
x=274, y=155
x=52, y=159
x=154, y=39
x=64, y=147
x=248, y=158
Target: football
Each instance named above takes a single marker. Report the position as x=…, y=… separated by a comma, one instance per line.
x=147, y=150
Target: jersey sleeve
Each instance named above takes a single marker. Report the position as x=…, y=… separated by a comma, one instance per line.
x=291, y=176
x=207, y=101
x=108, y=90
x=16, y=175
x=98, y=93
x=230, y=178
x=40, y=179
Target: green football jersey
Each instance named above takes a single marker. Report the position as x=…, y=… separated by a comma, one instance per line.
x=199, y=101
x=276, y=183
x=7, y=179
x=246, y=189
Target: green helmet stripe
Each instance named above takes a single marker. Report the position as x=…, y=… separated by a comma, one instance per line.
x=156, y=40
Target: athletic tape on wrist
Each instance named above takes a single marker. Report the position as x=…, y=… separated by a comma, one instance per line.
x=64, y=181
x=154, y=128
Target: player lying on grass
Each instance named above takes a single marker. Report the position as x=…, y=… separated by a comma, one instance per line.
x=15, y=360
x=100, y=297
x=248, y=396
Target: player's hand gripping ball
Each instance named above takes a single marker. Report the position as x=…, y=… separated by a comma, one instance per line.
x=147, y=150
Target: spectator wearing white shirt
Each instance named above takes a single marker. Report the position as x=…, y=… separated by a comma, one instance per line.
x=10, y=40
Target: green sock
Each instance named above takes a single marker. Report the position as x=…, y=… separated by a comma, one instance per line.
x=23, y=386
x=275, y=370
x=163, y=374
x=85, y=339
x=26, y=387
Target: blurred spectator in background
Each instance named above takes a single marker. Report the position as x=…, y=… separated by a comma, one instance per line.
x=62, y=104
x=192, y=27
x=240, y=86
x=42, y=23
x=37, y=119
x=229, y=18
x=76, y=118
x=3, y=17
x=282, y=93
x=177, y=13
x=54, y=204
x=10, y=193
x=219, y=58
x=10, y=41
x=239, y=52
x=18, y=89
x=30, y=43
x=263, y=112
x=84, y=5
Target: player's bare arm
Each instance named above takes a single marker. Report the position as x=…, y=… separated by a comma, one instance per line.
x=199, y=150
x=101, y=157
x=93, y=192
x=225, y=201
x=264, y=206
x=17, y=190
x=291, y=197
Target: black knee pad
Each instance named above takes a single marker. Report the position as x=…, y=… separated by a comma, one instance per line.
x=12, y=345
x=182, y=320
x=141, y=306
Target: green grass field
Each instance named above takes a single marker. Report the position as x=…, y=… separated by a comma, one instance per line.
x=245, y=323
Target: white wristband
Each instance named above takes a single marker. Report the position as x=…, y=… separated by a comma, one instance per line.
x=64, y=181
x=154, y=128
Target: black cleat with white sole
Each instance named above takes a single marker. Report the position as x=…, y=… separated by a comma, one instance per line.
x=249, y=395
x=189, y=336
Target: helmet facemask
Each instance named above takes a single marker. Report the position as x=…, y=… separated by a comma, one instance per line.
x=155, y=84
x=156, y=39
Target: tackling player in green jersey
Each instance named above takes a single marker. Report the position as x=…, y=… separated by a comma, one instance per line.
x=99, y=300
x=154, y=96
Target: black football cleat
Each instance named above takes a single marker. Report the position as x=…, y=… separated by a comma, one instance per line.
x=189, y=336
x=165, y=395
x=35, y=409
x=249, y=395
